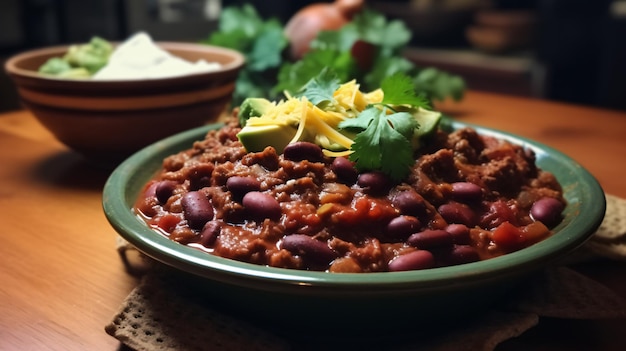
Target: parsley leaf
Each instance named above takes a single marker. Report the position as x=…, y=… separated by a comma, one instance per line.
x=321, y=88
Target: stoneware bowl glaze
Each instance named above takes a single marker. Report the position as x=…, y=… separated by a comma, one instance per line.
x=109, y=120
x=317, y=302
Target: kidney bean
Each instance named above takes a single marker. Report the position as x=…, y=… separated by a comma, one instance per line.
x=164, y=189
x=409, y=203
x=547, y=210
x=261, y=206
x=209, y=233
x=403, y=226
x=197, y=209
x=306, y=246
x=374, y=182
x=455, y=212
x=240, y=186
x=345, y=170
x=466, y=191
x=465, y=254
x=460, y=233
x=430, y=238
x=150, y=191
x=458, y=254
x=303, y=150
x=419, y=259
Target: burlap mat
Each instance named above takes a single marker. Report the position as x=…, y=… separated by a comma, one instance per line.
x=161, y=314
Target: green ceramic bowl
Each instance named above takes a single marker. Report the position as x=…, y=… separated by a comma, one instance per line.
x=354, y=302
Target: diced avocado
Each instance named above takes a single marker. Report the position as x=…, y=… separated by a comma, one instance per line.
x=75, y=73
x=54, y=66
x=253, y=107
x=91, y=56
x=62, y=69
x=257, y=138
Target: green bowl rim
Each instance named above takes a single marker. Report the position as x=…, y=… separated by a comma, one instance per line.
x=131, y=228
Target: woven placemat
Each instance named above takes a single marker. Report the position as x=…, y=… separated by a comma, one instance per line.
x=610, y=239
x=164, y=313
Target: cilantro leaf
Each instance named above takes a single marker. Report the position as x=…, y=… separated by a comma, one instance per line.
x=244, y=18
x=384, y=142
x=340, y=40
x=439, y=84
x=396, y=153
x=266, y=50
x=367, y=154
x=321, y=88
x=403, y=123
x=261, y=41
x=360, y=122
x=400, y=90
x=385, y=66
x=374, y=28
x=293, y=77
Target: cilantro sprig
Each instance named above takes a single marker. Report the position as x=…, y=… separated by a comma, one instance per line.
x=319, y=90
x=383, y=140
x=398, y=89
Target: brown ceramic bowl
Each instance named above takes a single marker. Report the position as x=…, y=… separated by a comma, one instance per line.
x=109, y=120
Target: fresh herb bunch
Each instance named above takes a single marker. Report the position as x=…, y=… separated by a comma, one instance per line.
x=261, y=41
x=368, y=49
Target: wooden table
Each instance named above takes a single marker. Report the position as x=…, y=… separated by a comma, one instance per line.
x=61, y=279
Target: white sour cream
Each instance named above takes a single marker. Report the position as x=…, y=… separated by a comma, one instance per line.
x=139, y=58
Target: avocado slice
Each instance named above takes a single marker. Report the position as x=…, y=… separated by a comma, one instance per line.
x=428, y=121
x=428, y=124
x=253, y=107
x=257, y=138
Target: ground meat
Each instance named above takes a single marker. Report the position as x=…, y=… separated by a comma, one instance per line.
x=468, y=197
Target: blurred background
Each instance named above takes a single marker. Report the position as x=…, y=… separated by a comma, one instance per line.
x=562, y=50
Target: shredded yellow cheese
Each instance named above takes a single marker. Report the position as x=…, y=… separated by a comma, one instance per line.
x=302, y=118
x=375, y=96
x=331, y=153
x=321, y=127
x=315, y=123
x=285, y=113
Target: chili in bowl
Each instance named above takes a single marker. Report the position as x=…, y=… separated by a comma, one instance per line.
x=302, y=225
